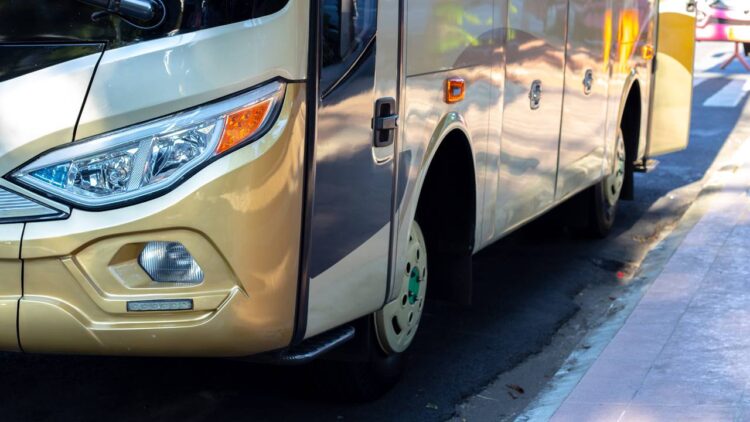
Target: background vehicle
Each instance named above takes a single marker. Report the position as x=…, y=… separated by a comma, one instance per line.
x=282, y=178
x=723, y=20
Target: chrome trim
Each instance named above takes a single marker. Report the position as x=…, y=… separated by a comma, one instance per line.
x=15, y=208
x=62, y=209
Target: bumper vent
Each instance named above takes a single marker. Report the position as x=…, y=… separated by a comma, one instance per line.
x=17, y=208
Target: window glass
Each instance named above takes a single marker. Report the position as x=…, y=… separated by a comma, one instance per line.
x=348, y=27
x=70, y=20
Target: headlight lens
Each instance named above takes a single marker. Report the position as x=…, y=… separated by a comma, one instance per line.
x=140, y=161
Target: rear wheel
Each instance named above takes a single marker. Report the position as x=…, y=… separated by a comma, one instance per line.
x=394, y=329
x=605, y=195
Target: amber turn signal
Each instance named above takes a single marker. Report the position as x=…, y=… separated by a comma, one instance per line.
x=455, y=90
x=648, y=52
x=242, y=124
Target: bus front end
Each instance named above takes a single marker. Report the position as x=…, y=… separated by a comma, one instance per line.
x=152, y=160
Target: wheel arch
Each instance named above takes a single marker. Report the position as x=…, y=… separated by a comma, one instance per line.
x=446, y=204
x=630, y=121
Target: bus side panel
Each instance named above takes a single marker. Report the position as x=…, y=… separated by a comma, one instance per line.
x=531, y=128
x=446, y=39
x=582, y=138
x=633, y=35
x=495, y=125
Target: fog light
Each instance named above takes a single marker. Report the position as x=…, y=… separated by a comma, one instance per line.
x=170, y=262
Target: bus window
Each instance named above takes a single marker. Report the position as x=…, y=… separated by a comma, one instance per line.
x=348, y=28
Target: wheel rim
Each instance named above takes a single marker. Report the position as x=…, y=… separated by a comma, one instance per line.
x=397, y=323
x=616, y=180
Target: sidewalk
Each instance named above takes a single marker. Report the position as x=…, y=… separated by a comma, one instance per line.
x=684, y=352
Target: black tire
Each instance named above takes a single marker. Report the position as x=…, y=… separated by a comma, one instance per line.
x=384, y=337
x=747, y=48
x=604, y=197
x=369, y=380
x=364, y=372
x=601, y=214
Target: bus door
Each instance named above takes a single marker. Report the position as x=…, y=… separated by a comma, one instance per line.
x=353, y=160
x=672, y=90
x=533, y=95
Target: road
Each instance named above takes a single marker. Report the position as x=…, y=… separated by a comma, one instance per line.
x=527, y=287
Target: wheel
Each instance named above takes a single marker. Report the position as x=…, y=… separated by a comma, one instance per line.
x=747, y=48
x=606, y=194
x=397, y=323
x=392, y=331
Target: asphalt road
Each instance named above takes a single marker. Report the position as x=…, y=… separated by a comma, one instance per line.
x=526, y=288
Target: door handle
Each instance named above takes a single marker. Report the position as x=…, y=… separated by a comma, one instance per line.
x=535, y=95
x=588, y=82
x=385, y=122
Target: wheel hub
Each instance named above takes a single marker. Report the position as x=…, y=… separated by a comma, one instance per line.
x=616, y=180
x=415, y=279
x=396, y=324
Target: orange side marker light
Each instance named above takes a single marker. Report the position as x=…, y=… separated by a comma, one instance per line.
x=648, y=52
x=242, y=124
x=455, y=90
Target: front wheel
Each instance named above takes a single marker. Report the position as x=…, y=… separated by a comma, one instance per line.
x=605, y=195
x=397, y=323
x=394, y=328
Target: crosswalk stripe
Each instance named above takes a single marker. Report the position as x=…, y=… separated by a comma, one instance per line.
x=729, y=96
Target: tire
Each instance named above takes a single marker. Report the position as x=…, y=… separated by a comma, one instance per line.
x=747, y=48
x=365, y=380
x=390, y=332
x=396, y=324
x=604, y=197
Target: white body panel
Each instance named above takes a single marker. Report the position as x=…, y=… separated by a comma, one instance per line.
x=147, y=80
x=528, y=163
x=584, y=130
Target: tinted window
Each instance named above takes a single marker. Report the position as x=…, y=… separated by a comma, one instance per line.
x=348, y=27
x=71, y=20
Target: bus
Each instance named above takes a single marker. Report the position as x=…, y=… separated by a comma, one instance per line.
x=278, y=180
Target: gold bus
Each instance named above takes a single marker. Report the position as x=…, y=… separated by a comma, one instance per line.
x=281, y=178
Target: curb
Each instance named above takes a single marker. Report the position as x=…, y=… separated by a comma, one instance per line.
x=590, y=347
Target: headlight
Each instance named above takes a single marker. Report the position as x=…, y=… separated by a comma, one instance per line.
x=143, y=160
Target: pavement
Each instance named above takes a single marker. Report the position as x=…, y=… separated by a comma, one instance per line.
x=683, y=352
x=679, y=351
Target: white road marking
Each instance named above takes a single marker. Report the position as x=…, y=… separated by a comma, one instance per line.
x=729, y=96
x=711, y=61
x=698, y=80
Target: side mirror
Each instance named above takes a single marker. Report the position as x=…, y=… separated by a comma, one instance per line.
x=142, y=10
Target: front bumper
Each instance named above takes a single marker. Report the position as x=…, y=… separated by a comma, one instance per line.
x=240, y=217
